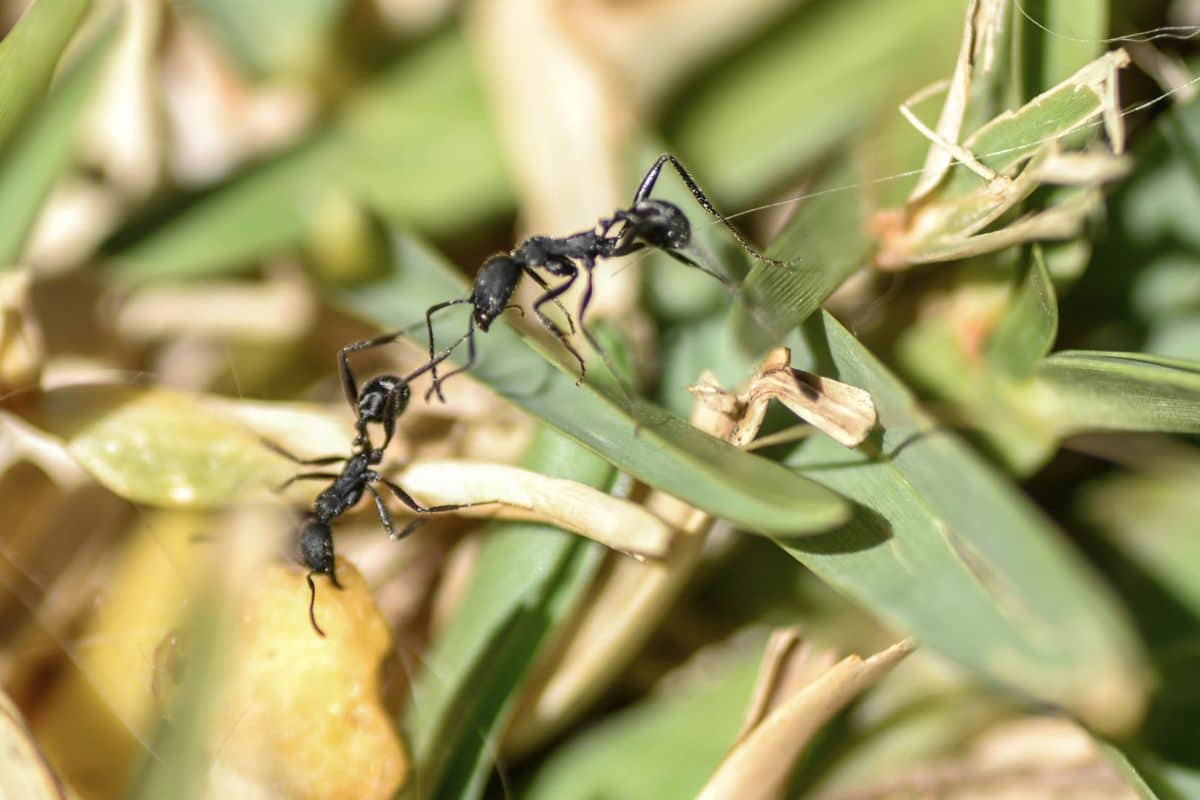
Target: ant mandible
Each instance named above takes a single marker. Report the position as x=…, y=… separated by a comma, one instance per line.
x=647, y=222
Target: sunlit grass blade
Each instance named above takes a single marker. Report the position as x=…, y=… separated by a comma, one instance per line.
x=45, y=146
x=527, y=578
x=636, y=436
x=28, y=55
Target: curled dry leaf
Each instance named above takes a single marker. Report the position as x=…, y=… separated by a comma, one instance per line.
x=788, y=712
x=624, y=609
x=22, y=351
x=845, y=413
x=301, y=716
x=522, y=494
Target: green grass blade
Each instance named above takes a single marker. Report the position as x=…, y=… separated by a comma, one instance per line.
x=28, y=55
x=45, y=147
x=1092, y=390
x=526, y=580
x=646, y=441
x=945, y=549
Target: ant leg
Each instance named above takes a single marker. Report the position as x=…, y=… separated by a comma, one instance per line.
x=647, y=186
x=308, y=462
x=307, y=476
x=437, y=382
x=549, y=324
x=434, y=360
x=411, y=502
x=540, y=281
x=384, y=516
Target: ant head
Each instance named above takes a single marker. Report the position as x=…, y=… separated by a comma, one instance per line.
x=381, y=398
x=494, y=286
x=316, y=545
x=661, y=224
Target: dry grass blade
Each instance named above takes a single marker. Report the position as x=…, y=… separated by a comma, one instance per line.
x=845, y=413
x=760, y=762
x=523, y=494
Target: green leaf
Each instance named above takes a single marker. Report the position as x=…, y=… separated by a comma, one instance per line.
x=1027, y=331
x=664, y=747
x=648, y=442
x=45, y=147
x=827, y=238
x=947, y=550
x=415, y=143
x=28, y=55
x=1080, y=390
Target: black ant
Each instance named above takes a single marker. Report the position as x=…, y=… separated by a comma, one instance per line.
x=647, y=222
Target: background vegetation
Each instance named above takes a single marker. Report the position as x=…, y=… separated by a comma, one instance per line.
x=201, y=202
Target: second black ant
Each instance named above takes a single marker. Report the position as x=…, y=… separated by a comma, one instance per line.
x=382, y=399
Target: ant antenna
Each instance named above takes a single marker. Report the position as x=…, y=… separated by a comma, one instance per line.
x=647, y=186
